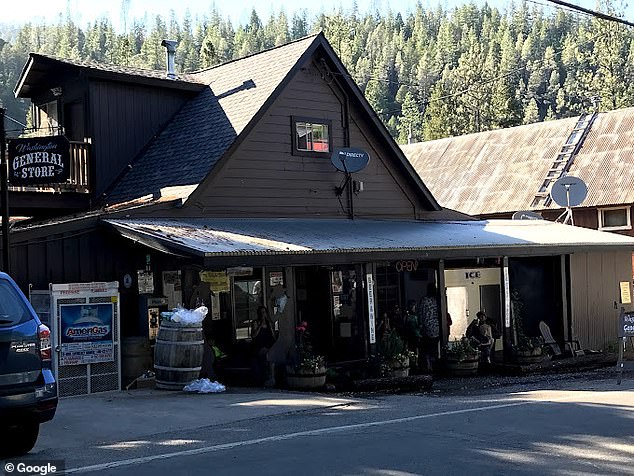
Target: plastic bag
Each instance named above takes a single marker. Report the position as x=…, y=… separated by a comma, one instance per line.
x=204, y=385
x=189, y=316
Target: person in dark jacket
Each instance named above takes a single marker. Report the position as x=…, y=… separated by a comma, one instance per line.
x=262, y=339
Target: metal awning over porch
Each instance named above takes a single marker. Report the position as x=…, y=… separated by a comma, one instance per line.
x=303, y=240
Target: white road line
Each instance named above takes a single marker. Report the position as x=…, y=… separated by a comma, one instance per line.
x=289, y=436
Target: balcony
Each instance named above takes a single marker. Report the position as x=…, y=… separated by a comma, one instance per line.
x=79, y=180
x=46, y=200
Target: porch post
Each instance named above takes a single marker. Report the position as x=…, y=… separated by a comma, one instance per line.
x=565, y=316
x=442, y=294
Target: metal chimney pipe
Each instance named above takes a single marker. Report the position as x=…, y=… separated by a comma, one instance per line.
x=170, y=46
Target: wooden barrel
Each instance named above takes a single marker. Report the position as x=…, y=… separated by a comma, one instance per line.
x=462, y=367
x=305, y=379
x=178, y=354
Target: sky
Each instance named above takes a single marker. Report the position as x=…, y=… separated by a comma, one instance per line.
x=86, y=11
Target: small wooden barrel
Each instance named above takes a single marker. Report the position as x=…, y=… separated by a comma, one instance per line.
x=305, y=379
x=462, y=367
x=178, y=354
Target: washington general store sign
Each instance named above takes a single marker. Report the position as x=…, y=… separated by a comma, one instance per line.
x=39, y=160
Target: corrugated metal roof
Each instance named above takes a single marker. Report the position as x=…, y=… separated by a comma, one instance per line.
x=500, y=171
x=275, y=236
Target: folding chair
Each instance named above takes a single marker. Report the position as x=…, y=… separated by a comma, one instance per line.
x=549, y=340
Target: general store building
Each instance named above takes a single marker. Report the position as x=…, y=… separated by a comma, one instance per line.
x=217, y=187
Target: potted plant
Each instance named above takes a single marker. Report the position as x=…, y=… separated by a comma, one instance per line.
x=461, y=357
x=395, y=358
x=529, y=350
x=307, y=369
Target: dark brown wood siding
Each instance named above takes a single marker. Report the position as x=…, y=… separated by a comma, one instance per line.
x=263, y=177
x=87, y=253
x=125, y=117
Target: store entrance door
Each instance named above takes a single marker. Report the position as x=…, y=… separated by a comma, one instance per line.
x=347, y=316
x=330, y=300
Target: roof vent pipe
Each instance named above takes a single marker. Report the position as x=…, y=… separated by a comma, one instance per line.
x=170, y=46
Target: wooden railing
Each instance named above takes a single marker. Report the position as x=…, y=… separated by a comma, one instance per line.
x=79, y=177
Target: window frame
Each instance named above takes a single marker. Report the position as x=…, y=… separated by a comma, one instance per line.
x=310, y=153
x=628, y=226
x=39, y=110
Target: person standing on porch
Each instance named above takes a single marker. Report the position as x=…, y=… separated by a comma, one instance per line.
x=262, y=339
x=411, y=327
x=430, y=327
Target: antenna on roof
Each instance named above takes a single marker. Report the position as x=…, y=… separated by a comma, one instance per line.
x=568, y=192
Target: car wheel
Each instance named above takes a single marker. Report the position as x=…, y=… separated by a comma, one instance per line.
x=18, y=440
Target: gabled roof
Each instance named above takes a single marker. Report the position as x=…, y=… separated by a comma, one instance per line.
x=202, y=131
x=209, y=125
x=500, y=171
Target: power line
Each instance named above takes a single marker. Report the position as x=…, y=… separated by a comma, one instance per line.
x=15, y=120
x=603, y=16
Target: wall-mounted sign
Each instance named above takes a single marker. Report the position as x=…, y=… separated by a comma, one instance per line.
x=406, y=265
x=127, y=281
x=39, y=160
x=146, y=281
x=276, y=278
x=240, y=271
x=218, y=280
x=626, y=297
x=86, y=333
x=350, y=159
x=371, y=319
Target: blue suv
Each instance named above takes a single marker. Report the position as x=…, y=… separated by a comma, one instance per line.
x=28, y=392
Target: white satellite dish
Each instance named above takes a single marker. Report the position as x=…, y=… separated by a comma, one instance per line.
x=526, y=215
x=569, y=191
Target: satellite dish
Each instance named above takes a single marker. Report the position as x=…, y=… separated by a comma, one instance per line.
x=526, y=215
x=569, y=191
x=350, y=159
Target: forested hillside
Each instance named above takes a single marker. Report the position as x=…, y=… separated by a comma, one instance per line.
x=431, y=74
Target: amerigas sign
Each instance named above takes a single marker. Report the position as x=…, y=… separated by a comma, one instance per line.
x=39, y=160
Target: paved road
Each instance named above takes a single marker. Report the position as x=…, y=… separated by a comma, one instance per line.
x=562, y=428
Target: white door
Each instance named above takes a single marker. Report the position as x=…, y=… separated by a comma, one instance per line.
x=458, y=308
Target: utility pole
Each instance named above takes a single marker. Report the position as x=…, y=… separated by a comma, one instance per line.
x=4, y=187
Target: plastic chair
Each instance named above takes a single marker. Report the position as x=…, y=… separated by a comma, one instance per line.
x=549, y=340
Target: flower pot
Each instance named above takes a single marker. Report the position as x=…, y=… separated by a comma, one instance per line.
x=467, y=366
x=305, y=379
x=530, y=356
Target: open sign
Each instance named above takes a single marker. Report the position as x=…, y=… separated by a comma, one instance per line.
x=406, y=265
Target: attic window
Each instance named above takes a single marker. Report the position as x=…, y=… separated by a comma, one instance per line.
x=311, y=137
x=617, y=218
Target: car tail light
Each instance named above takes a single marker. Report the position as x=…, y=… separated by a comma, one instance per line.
x=44, y=334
